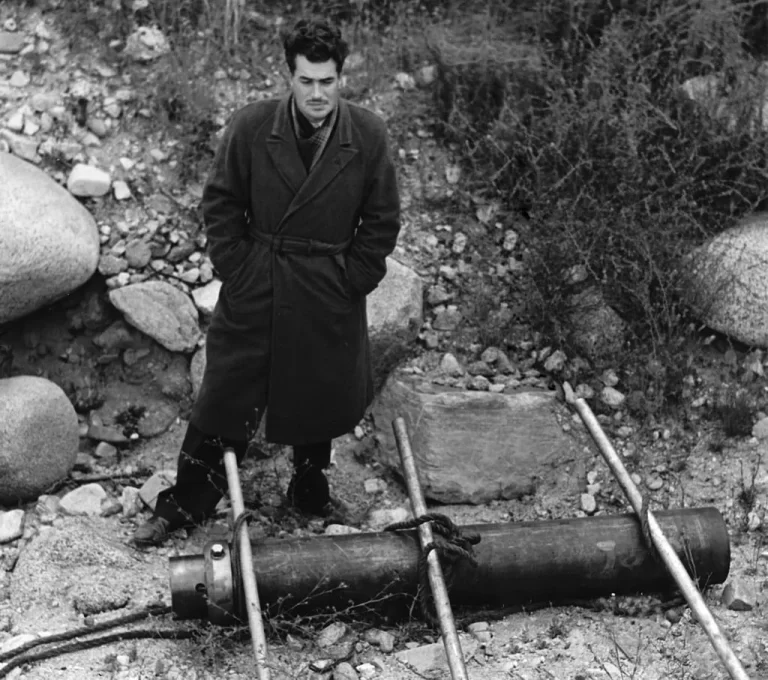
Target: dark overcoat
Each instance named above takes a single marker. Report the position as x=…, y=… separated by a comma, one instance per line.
x=289, y=331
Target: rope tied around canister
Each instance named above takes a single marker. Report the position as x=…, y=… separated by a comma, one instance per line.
x=452, y=546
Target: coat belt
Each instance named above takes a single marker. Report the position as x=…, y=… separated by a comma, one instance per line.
x=302, y=246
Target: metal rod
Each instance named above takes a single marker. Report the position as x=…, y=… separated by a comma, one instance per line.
x=243, y=544
x=663, y=546
x=435, y=572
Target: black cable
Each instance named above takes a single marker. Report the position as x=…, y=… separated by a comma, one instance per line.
x=79, y=645
x=152, y=610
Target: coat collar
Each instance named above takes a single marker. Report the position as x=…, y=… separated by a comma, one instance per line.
x=282, y=148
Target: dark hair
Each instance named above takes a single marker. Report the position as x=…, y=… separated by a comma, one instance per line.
x=316, y=40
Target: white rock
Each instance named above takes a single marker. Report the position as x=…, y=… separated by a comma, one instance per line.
x=86, y=180
x=84, y=500
x=19, y=79
x=739, y=595
x=131, y=501
x=121, y=190
x=38, y=437
x=398, y=300
x=450, y=365
x=16, y=121
x=11, y=525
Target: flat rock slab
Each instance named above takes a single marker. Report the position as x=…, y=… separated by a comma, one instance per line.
x=473, y=447
x=49, y=243
x=82, y=565
x=160, y=311
x=729, y=281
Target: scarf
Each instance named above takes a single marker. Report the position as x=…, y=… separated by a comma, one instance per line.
x=318, y=140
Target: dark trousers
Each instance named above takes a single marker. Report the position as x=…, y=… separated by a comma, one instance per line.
x=201, y=479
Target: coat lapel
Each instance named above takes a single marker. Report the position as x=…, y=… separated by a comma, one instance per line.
x=282, y=148
x=339, y=151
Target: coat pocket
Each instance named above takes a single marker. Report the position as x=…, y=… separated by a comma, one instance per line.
x=341, y=265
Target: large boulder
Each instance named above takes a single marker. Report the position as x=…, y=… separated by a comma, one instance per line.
x=398, y=301
x=472, y=446
x=38, y=437
x=727, y=281
x=162, y=312
x=49, y=243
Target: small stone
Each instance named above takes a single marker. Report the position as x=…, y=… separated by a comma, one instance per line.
x=84, y=500
x=609, y=378
x=19, y=79
x=110, y=507
x=739, y=595
x=405, y=81
x=426, y=75
x=754, y=521
x=479, y=383
x=98, y=127
x=16, y=121
x=612, y=397
x=138, y=254
x=120, y=190
x=555, y=362
x=382, y=639
x=331, y=634
x=359, y=432
x=87, y=180
x=654, y=482
x=130, y=501
x=11, y=525
x=510, y=240
x=449, y=365
x=588, y=503
x=345, y=671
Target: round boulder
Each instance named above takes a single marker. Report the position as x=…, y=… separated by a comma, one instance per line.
x=728, y=281
x=38, y=437
x=49, y=243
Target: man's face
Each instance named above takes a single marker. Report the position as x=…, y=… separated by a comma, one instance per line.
x=315, y=87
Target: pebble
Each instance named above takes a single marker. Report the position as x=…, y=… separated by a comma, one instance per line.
x=449, y=365
x=120, y=190
x=11, y=525
x=382, y=517
x=739, y=595
x=345, y=671
x=19, y=79
x=612, y=397
x=588, y=503
x=382, y=639
x=331, y=634
x=654, y=482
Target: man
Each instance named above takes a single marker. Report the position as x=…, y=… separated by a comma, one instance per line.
x=301, y=210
